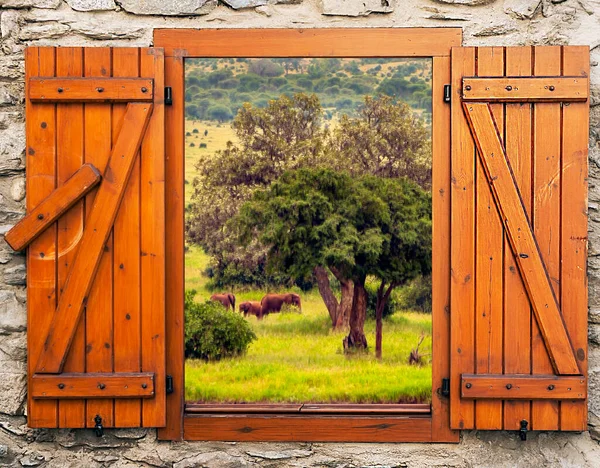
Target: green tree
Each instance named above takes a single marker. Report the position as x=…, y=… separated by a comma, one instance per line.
x=356, y=226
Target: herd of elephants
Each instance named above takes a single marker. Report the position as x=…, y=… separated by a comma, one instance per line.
x=270, y=303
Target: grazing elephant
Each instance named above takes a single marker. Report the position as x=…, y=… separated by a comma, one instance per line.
x=227, y=299
x=251, y=307
x=274, y=302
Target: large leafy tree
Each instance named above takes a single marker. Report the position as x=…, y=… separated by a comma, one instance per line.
x=359, y=226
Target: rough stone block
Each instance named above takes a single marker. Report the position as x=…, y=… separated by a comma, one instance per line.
x=16, y=275
x=356, y=7
x=12, y=393
x=522, y=9
x=92, y=5
x=168, y=8
x=13, y=317
x=30, y=3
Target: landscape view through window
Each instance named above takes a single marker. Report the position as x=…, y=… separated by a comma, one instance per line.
x=308, y=230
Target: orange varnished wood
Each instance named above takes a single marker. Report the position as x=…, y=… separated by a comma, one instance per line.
x=462, y=304
x=517, y=312
x=546, y=218
x=525, y=387
x=440, y=405
x=531, y=89
x=55, y=205
x=91, y=89
x=70, y=156
x=152, y=243
x=574, y=291
x=330, y=42
x=90, y=385
x=126, y=258
x=488, y=264
x=233, y=427
x=41, y=255
x=99, y=309
x=522, y=240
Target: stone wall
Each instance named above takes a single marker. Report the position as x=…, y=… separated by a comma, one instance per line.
x=130, y=23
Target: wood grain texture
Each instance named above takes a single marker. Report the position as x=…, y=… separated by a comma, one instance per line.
x=522, y=240
x=55, y=205
x=99, y=225
x=126, y=258
x=440, y=405
x=69, y=160
x=330, y=42
x=525, y=387
x=546, y=202
x=174, y=249
x=300, y=428
x=91, y=89
x=517, y=311
x=531, y=89
x=574, y=289
x=90, y=385
x=41, y=255
x=462, y=306
x=152, y=243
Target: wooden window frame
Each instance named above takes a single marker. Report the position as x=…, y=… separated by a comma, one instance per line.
x=274, y=422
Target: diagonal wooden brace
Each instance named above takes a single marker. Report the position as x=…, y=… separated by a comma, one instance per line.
x=97, y=230
x=49, y=210
x=521, y=238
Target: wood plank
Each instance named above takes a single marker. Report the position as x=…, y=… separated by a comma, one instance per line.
x=329, y=42
x=301, y=428
x=152, y=242
x=69, y=159
x=521, y=237
x=91, y=89
x=91, y=385
x=440, y=272
x=517, y=311
x=463, y=246
x=489, y=245
x=365, y=409
x=524, y=387
x=41, y=255
x=53, y=206
x=98, y=312
x=574, y=292
x=546, y=202
x=531, y=89
x=126, y=259
x=174, y=254
x=94, y=237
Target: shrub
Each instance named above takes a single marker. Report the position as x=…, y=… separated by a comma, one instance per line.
x=391, y=304
x=202, y=145
x=416, y=295
x=192, y=144
x=188, y=134
x=213, y=332
x=195, y=130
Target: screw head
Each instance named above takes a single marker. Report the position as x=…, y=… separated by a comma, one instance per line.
x=551, y=88
x=101, y=386
x=100, y=89
x=508, y=88
x=468, y=385
x=60, y=90
x=550, y=387
x=144, y=385
x=144, y=89
x=508, y=386
x=468, y=87
x=61, y=385
x=40, y=216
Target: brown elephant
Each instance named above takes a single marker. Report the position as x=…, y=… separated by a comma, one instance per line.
x=227, y=299
x=273, y=302
x=251, y=307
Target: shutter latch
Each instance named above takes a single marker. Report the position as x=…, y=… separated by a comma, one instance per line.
x=168, y=96
x=447, y=93
x=445, y=387
x=169, y=384
x=523, y=430
x=98, y=428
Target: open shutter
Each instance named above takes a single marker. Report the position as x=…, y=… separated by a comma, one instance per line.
x=95, y=235
x=519, y=238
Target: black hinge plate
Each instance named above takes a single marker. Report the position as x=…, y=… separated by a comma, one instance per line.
x=168, y=96
x=447, y=93
x=169, y=385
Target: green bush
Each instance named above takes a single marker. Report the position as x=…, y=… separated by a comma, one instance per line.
x=391, y=304
x=202, y=145
x=416, y=295
x=213, y=332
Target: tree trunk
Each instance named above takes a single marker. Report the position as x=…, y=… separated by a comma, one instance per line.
x=339, y=313
x=382, y=298
x=356, y=339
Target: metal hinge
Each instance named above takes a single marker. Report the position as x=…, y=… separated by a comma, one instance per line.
x=445, y=387
x=523, y=429
x=169, y=387
x=447, y=93
x=168, y=96
x=98, y=428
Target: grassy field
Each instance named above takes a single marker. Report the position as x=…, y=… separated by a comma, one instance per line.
x=297, y=358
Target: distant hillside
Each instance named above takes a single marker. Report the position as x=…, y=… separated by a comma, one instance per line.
x=217, y=88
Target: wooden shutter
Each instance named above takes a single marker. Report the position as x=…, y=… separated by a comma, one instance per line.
x=519, y=238
x=95, y=235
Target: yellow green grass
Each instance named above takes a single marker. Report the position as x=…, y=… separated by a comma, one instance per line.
x=297, y=358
